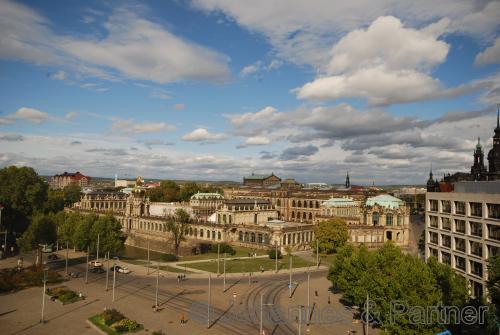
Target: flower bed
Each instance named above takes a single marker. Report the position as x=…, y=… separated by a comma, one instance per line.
x=113, y=322
x=63, y=294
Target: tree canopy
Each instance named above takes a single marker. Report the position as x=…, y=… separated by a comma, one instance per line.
x=331, y=235
x=177, y=226
x=387, y=275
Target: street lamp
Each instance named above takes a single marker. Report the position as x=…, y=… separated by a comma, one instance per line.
x=45, y=275
x=261, y=309
x=5, y=243
x=114, y=277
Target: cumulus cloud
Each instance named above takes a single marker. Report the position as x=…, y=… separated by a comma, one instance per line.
x=151, y=143
x=367, y=63
x=70, y=115
x=250, y=69
x=303, y=32
x=27, y=35
x=29, y=114
x=489, y=56
x=59, y=75
x=204, y=136
x=255, y=140
x=135, y=127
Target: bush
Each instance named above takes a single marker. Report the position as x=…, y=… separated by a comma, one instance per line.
x=125, y=325
x=224, y=248
x=111, y=316
x=272, y=254
x=169, y=258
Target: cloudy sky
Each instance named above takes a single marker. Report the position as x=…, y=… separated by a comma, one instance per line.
x=216, y=89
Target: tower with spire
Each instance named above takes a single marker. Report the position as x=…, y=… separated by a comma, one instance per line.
x=347, y=181
x=478, y=170
x=494, y=154
x=432, y=185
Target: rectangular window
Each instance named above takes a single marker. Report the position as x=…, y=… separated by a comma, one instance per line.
x=446, y=223
x=459, y=244
x=433, y=237
x=460, y=263
x=476, y=249
x=493, y=211
x=460, y=226
x=494, y=232
x=476, y=268
x=445, y=258
x=446, y=241
x=433, y=252
x=460, y=207
x=433, y=221
x=433, y=205
x=493, y=251
x=446, y=206
x=476, y=229
x=476, y=209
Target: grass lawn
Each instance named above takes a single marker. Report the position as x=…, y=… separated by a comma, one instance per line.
x=240, y=252
x=251, y=265
x=99, y=322
x=167, y=268
x=326, y=259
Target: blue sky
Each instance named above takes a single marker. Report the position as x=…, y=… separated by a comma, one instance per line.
x=216, y=89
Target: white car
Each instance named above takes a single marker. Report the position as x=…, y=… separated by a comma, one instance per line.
x=124, y=270
x=95, y=264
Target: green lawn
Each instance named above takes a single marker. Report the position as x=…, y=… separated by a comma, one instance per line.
x=326, y=259
x=240, y=252
x=251, y=265
x=153, y=266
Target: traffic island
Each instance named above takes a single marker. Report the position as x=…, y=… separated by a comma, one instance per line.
x=112, y=322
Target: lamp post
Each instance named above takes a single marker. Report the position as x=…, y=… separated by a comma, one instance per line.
x=209, y=296
x=290, y=284
x=45, y=275
x=87, y=266
x=276, y=256
x=148, y=256
x=67, y=246
x=114, y=277
x=224, y=272
x=300, y=319
x=218, y=259
x=97, y=254
x=308, y=298
x=5, y=242
x=261, y=311
x=317, y=254
x=157, y=282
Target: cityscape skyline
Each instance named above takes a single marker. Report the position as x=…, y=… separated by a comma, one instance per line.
x=186, y=90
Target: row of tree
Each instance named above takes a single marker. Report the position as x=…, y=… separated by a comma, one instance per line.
x=170, y=191
x=387, y=276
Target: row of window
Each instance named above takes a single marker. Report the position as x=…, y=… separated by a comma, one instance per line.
x=459, y=226
x=476, y=208
x=299, y=203
x=476, y=268
x=475, y=248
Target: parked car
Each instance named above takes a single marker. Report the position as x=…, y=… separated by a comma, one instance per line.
x=97, y=270
x=120, y=269
x=95, y=264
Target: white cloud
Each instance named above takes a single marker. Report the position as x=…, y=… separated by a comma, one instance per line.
x=29, y=114
x=134, y=127
x=303, y=32
x=250, y=69
x=386, y=63
x=489, y=56
x=26, y=35
x=59, y=75
x=254, y=140
x=262, y=115
x=203, y=135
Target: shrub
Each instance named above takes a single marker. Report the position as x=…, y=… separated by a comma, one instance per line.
x=66, y=296
x=224, y=248
x=125, y=325
x=272, y=254
x=169, y=258
x=111, y=316
x=6, y=285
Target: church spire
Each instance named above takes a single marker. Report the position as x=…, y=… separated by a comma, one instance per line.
x=347, y=181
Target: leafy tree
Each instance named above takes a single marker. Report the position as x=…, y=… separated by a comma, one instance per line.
x=42, y=230
x=493, y=282
x=168, y=191
x=82, y=235
x=55, y=201
x=72, y=193
x=110, y=235
x=452, y=285
x=272, y=254
x=331, y=235
x=22, y=193
x=188, y=190
x=177, y=227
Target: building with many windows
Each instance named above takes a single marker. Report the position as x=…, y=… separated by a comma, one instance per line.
x=62, y=180
x=463, y=229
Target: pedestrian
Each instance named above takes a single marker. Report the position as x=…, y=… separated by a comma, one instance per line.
x=316, y=292
x=328, y=300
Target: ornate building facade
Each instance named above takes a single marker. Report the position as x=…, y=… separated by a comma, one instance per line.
x=205, y=204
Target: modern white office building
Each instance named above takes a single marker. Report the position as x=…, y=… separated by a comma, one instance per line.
x=463, y=229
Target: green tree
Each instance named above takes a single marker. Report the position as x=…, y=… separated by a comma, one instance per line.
x=55, y=201
x=331, y=235
x=168, y=191
x=452, y=285
x=111, y=237
x=82, y=235
x=177, y=227
x=188, y=190
x=493, y=282
x=72, y=193
x=22, y=193
x=42, y=230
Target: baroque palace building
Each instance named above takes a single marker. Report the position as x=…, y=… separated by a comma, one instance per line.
x=256, y=217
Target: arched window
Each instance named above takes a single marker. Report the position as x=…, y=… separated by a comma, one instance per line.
x=218, y=235
x=252, y=237
x=375, y=218
x=293, y=215
x=255, y=218
x=201, y=232
x=304, y=215
x=388, y=220
x=224, y=218
x=399, y=220
x=310, y=216
x=317, y=204
x=293, y=203
x=299, y=204
x=278, y=202
x=240, y=236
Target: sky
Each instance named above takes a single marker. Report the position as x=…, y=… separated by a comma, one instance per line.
x=218, y=89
